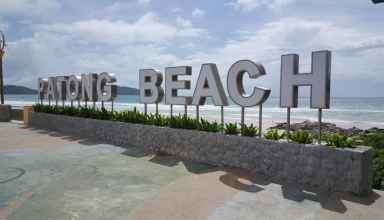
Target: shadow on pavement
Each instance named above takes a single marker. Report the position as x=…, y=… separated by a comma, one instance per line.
x=332, y=201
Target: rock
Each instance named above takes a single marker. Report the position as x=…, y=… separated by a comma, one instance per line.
x=374, y=130
x=313, y=127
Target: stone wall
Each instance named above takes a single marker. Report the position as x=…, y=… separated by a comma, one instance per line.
x=347, y=170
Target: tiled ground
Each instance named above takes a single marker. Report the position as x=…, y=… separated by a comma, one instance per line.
x=49, y=176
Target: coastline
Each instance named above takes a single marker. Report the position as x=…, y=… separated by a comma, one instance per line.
x=364, y=116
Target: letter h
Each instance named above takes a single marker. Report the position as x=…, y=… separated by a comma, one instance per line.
x=319, y=80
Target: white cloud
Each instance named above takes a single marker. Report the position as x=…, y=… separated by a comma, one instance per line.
x=98, y=45
x=176, y=10
x=27, y=7
x=144, y=2
x=198, y=13
x=249, y=5
x=357, y=54
x=183, y=22
x=147, y=29
x=47, y=54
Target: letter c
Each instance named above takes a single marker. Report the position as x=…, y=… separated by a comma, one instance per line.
x=235, y=83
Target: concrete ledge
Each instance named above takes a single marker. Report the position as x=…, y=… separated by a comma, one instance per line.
x=345, y=170
x=5, y=113
x=17, y=114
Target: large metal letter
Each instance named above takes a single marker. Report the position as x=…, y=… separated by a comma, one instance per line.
x=150, y=91
x=318, y=79
x=42, y=89
x=52, y=89
x=105, y=90
x=235, y=83
x=61, y=82
x=74, y=88
x=209, y=85
x=88, y=87
x=172, y=85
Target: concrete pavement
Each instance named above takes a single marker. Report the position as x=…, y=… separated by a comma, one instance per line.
x=46, y=175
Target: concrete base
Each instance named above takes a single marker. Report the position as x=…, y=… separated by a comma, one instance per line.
x=5, y=113
x=27, y=114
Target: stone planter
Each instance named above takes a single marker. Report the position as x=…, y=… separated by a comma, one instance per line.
x=5, y=113
x=346, y=170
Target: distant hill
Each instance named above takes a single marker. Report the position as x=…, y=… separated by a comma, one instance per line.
x=124, y=90
x=18, y=90
x=22, y=90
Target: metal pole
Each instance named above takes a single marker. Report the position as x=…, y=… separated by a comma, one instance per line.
x=222, y=116
x=260, y=120
x=94, y=104
x=1, y=77
x=242, y=118
x=86, y=103
x=185, y=110
x=49, y=100
x=320, y=118
x=113, y=101
x=288, y=121
x=171, y=110
x=145, y=109
x=102, y=105
x=197, y=113
x=71, y=103
x=157, y=108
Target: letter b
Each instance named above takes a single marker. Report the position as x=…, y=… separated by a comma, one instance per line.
x=150, y=90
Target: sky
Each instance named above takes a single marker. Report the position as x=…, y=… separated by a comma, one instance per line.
x=62, y=37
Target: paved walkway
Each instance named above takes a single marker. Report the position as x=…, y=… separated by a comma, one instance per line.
x=46, y=175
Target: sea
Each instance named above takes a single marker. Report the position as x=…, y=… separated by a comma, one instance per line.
x=363, y=113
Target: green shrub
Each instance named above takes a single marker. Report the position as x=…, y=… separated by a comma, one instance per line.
x=160, y=120
x=183, y=122
x=339, y=141
x=378, y=169
x=205, y=125
x=249, y=131
x=231, y=129
x=134, y=116
x=375, y=140
x=274, y=134
x=301, y=137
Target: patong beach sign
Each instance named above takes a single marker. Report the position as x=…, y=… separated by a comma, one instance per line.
x=90, y=87
x=101, y=87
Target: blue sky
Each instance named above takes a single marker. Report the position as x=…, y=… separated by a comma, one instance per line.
x=53, y=37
